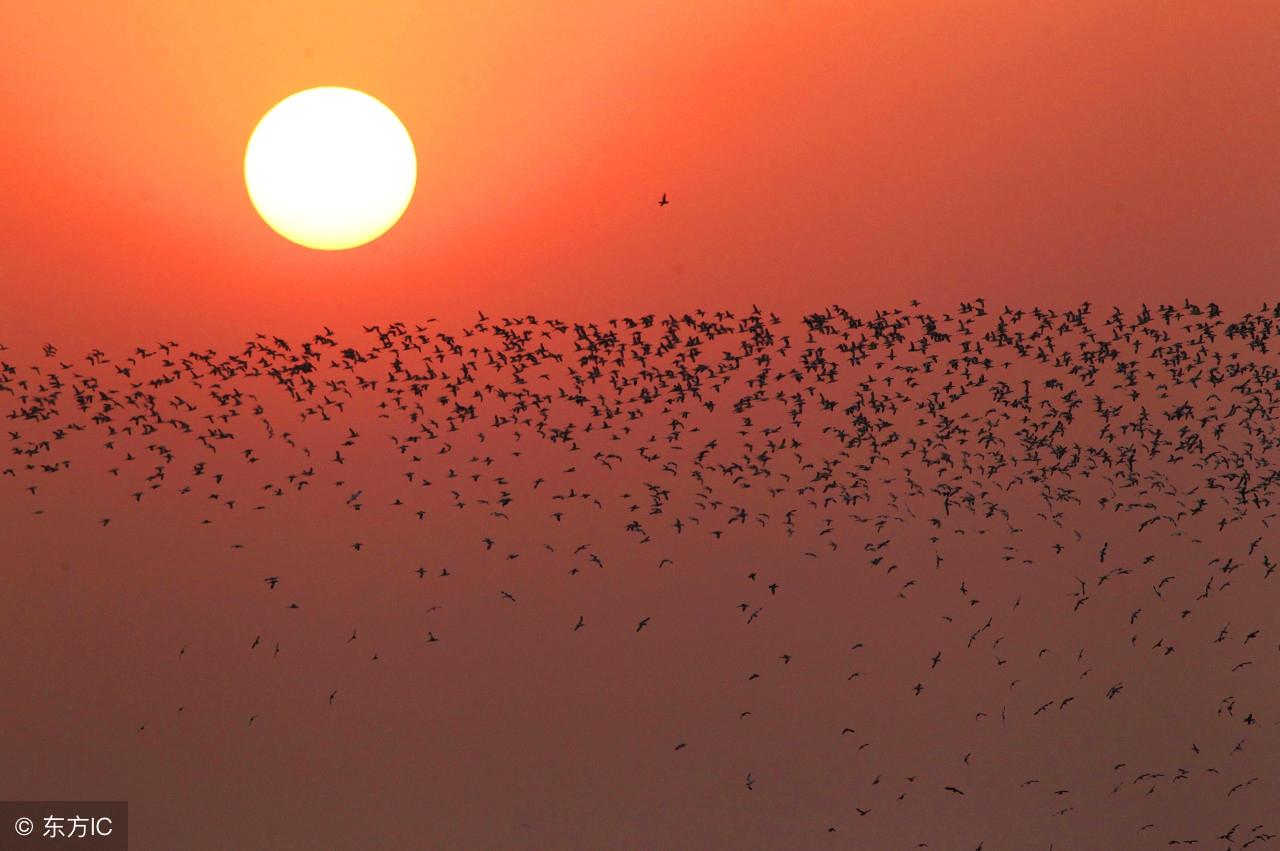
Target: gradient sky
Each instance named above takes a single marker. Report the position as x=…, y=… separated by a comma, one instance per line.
x=863, y=153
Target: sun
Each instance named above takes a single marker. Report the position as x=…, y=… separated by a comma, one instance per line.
x=330, y=168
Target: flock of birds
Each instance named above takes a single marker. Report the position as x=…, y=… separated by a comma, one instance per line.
x=1123, y=463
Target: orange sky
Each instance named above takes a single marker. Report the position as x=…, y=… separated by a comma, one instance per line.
x=866, y=153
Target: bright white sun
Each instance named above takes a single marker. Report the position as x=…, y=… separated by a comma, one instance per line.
x=330, y=168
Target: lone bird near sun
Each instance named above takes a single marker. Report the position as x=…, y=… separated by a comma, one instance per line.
x=330, y=168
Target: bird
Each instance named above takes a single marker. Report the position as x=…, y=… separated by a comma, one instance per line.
x=1022, y=442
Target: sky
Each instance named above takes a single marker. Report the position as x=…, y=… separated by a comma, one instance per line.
x=865, y=154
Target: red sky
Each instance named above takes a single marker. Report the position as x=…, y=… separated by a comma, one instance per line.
x=863, y=153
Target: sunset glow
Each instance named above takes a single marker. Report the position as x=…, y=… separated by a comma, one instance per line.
x=507, y=424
